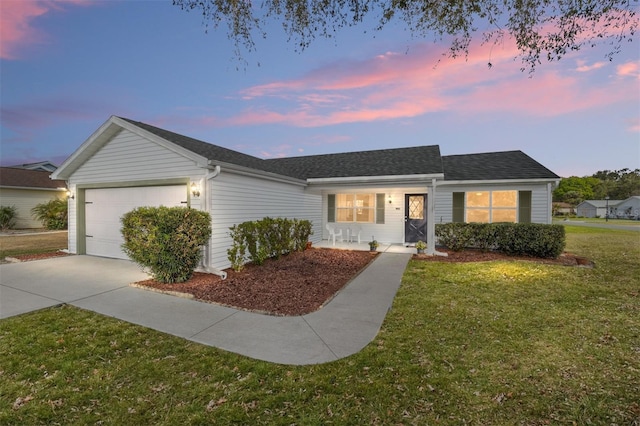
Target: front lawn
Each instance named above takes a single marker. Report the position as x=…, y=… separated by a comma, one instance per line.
x=485, y=343
x=45, y=242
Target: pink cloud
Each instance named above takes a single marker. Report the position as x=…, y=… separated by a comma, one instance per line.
x=629, y=69
x=16, y=29
x=583, y=67
x=634, y=125
x=395, y=86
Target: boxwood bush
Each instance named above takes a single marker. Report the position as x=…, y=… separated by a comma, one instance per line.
x=166, y=241
x=259, y=240
x=527, y=239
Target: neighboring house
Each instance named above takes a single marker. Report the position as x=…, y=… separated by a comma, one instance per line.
x=597, y=208
x=560, y=208
x=392, y=195
x=25, y=189
x=43, y=166
x=629, y=208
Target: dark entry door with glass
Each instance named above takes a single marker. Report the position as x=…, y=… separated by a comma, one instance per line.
x=415, y=218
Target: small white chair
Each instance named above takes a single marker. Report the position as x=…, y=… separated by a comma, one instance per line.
x=355, y=232
x=333, y=233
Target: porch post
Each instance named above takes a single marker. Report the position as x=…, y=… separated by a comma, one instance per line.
x=431, y=215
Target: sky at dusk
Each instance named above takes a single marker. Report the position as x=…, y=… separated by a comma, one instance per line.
x=67, y=66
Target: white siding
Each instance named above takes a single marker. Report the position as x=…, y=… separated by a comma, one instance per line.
x=236, y=198
x=128, y=157
x=127, y=160
x=392, y=231
x=540, y=201
x=26, y=199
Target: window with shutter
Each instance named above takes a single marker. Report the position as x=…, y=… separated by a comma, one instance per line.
x=380, y=208
x=524, y=206
x=331, y=208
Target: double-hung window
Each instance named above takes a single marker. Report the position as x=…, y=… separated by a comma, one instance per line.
x=492, y=206
x=355, y=208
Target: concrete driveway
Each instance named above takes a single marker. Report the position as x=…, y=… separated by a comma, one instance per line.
x=343, y=327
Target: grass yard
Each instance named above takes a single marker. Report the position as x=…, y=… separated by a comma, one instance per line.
x=599, y=220
x=481, y=344
x=14, y=245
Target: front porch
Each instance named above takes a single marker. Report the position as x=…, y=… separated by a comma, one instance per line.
x=364, y=246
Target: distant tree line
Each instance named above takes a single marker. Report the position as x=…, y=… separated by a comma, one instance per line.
x=617, y=185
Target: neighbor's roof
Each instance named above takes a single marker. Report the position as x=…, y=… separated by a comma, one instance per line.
x=494, y=166
x=46, y=166
x=24, y=178
x=601, y=203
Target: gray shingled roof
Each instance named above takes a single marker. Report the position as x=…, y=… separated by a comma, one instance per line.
x=383, y=162
x=494, y=166
x=210, y=151
x=25, y=178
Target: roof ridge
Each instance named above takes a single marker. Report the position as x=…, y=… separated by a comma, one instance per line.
x=483, y=153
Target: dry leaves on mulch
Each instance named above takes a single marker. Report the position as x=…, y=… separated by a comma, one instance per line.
x=295, y=284
x=37, y=256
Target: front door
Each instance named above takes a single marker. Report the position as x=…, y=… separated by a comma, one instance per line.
x=415, y=218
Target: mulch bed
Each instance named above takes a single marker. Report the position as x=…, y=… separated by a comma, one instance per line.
x=296, y=284
x=37, y=256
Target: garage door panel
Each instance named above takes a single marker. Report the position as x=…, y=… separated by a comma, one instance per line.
x=104, y=207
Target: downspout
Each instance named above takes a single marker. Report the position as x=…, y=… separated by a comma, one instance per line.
x=431, y=217
x=431, y=234
x=207, y=207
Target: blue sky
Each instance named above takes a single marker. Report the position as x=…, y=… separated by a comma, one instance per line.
x=66, y=66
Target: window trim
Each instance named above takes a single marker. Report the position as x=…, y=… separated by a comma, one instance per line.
x=378, y=208
x=524, y=205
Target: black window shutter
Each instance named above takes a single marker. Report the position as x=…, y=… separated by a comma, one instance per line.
x=524, y=206
x=380, y=208
x=331, y=207
x=457, y=214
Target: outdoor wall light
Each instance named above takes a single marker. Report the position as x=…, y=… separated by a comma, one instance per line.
x=195, y=189
x=390, y=199
x=70, y=194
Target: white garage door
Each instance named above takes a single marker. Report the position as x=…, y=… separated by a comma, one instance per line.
x=104, y=208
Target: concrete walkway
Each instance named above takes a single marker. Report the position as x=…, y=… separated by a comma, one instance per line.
x=343, y=327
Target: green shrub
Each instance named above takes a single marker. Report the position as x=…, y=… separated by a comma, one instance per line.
x=525, y=239
x=166, y=240
x=257, y=241
x=483, y=236
x=454, y=236
x=52, y=214
x=530, y=239
x=8, y=216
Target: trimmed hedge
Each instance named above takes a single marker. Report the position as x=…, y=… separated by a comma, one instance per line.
x=257, y=241
x=522, y=239
x=166, y=240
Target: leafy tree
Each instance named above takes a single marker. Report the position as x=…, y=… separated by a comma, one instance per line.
x=542, y=29
x=574, y=190
x=618, y=184
x=52, y=214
